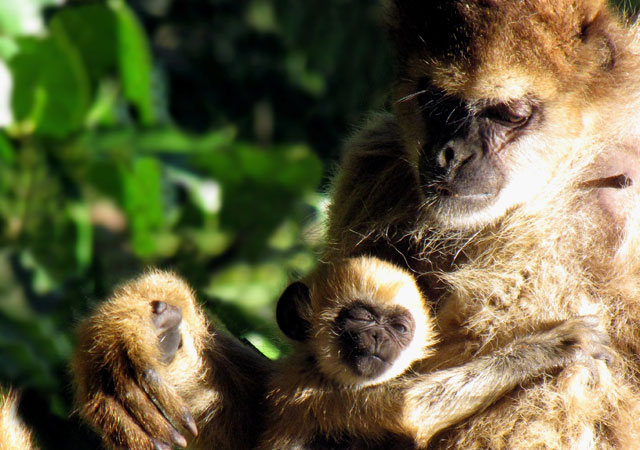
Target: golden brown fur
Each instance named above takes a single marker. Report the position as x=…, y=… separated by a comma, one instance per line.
x=557, y=249
x=555, y=82
x=315, y=393
x=13, y=434
x=119, y=368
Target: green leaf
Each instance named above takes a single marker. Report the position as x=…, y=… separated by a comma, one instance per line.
x=172, y=140
x=104, y=110
x=7, y=154
x=51, y=92
x=93, y=32
x=80, y=216
x=142, y=201
x=106, y=176
x=33, y=350
x=300, y=169
x=249, y=286
x=8, y=48
x=211, y=242
x=135, y=61
x=265, y=347
x=309, y=81
x=261, y=16
x=293, y=168
x=260, y=187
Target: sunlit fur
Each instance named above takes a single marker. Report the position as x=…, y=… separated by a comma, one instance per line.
x=13, y=434
x=120, y=377
x=550, y=249
x=314, y=393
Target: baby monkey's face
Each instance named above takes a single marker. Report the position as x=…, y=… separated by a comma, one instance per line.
x=371, y=337
x=362, y=320
x=369, y=322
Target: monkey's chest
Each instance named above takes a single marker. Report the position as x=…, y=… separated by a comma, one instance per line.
x=493, y=307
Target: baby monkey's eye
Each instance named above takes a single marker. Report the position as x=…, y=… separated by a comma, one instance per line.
x=400, y=328
x=361, y=314
x=513, y=114
x=402, y=325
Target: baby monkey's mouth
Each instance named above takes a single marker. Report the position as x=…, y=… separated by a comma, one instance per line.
x=368, y=365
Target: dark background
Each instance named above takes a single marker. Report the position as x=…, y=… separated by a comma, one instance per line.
x=193, y=135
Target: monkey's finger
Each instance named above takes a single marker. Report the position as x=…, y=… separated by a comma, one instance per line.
x=117, y=426
x=142, y=409
x=167, y=400
x=590, y=364
x=604, y=354
x=588, y=332
x=166, y=319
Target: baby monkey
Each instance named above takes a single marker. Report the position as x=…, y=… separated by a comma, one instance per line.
x=363, y=336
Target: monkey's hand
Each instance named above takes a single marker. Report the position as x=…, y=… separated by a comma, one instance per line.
x=583, y=341
x=445, y=397
x=124, y=363
x=580, y=339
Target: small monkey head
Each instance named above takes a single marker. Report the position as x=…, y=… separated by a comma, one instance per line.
x=362, y=320
x=494, y=97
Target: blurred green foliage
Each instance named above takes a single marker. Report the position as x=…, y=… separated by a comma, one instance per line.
x=190, y=135
x=194, y=135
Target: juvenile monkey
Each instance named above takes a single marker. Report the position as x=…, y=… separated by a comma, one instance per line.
x=362, y=330
x=507, y=179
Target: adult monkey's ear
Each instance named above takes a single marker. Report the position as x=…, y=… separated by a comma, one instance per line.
x=290, y=312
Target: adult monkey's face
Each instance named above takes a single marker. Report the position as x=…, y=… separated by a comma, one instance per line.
x=495, y=97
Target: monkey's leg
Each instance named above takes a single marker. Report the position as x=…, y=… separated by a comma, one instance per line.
x=448, y=396
x=149, y=372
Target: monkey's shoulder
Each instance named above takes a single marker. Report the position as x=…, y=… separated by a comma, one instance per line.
x=377, y=147
x=377, y=186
